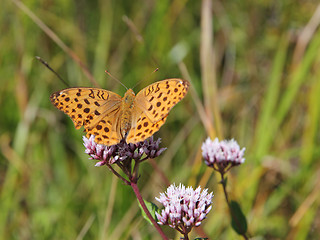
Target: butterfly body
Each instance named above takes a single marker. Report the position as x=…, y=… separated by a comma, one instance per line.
x=127, y=104
x=111, y=118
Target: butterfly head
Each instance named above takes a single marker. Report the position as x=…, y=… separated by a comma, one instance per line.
x=129, y=96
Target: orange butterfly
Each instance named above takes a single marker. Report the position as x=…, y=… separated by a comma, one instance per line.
x=111, y=118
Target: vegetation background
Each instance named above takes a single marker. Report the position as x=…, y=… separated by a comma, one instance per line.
x=254, y=67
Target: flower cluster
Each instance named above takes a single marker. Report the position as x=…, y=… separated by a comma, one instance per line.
x=184, y=207
x=122, y=151
x=222, y=155
x=98, y=151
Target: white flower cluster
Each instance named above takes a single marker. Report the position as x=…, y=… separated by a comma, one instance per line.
x=222, y=152
x=184, y=207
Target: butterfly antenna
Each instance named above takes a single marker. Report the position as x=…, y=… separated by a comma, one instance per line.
x=114, y=78
x=47, y=65
x=156, y=70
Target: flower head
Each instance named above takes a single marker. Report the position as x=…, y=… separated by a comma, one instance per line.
x=184, y=208
x=98, y=151
x=222, y=155
x=122, y=151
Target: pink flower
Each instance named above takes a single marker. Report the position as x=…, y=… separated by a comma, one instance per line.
x=222, y=155
x=184, y=208
x=122, y=151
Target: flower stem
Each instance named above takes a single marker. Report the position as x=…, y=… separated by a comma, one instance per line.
x=224, y=185
x=118, y=175
x=145, y=209
x=186, y=237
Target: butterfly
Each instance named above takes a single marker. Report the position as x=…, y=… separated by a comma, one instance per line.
x=111, y=118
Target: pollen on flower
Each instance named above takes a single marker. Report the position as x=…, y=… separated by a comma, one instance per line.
x=222, y=155
x=184, y=208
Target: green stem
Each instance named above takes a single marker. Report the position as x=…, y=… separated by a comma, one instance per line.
x=224, y=185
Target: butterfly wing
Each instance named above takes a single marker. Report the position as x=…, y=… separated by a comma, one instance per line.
x=107, y=129
x=96, y=109
x=152, y=106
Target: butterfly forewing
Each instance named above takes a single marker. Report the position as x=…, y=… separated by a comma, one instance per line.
x=88, y=107
x=157, y=99
x=152, y=106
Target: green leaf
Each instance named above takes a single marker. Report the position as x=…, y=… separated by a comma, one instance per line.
x=239, y=222
x=201, y=238
x=152, y=209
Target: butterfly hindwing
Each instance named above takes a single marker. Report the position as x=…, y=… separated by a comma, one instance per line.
x=107, y=131
x=143, y=128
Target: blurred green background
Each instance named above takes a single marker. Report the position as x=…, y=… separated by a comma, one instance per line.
x=254, y=67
